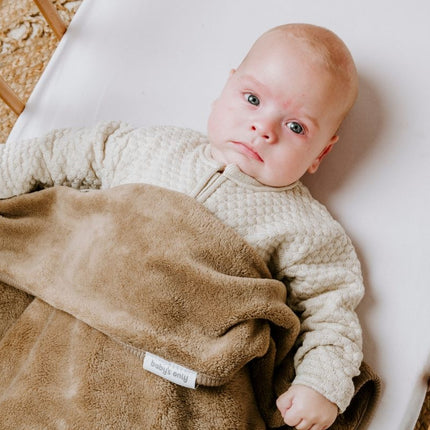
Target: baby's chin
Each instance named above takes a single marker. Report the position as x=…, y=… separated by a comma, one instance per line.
x=269, y=180
x=251, y=167
x=257, y=172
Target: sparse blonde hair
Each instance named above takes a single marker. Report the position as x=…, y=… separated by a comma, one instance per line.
x=332, y=53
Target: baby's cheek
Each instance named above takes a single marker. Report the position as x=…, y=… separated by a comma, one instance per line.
x=216, y=121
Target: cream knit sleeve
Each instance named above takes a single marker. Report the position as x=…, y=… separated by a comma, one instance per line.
x=325, y=285
x=72, y=157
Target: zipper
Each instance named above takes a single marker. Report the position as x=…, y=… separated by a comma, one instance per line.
x=208, y=185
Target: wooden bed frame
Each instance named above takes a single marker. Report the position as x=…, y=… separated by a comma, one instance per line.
x=51, y=15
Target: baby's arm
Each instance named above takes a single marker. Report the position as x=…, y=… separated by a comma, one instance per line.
x=63, y=157
x=324, y=282
x=306, y=409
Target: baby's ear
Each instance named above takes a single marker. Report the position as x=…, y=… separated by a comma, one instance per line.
x=316, y=163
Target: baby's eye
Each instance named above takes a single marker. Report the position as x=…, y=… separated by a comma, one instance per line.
x=254, y=100
x=295, y=127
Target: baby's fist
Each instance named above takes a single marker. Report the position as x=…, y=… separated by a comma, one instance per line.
x=306, y=409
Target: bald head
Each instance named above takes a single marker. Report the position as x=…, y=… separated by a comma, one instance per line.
x=321, y=47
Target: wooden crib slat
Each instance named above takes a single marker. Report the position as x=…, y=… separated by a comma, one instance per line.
x=10, y=98
x=51, y=15
x=54, y=20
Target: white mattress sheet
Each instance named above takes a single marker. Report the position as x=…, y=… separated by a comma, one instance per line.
x=163, y=62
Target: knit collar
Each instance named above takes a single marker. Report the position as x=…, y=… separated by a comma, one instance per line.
x=232, y=172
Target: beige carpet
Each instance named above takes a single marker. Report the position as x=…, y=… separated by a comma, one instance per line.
x=26, y=45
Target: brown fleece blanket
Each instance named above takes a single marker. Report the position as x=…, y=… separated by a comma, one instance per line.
x=130, y=270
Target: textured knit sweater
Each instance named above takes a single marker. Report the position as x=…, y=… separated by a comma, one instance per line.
x=295, y=235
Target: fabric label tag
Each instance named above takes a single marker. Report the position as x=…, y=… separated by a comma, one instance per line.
x=171, y=371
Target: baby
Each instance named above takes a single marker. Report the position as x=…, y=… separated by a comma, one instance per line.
x=276, y=118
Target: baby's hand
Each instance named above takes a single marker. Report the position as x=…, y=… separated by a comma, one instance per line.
x=306, y=409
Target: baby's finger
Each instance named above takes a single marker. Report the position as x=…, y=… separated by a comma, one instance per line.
x=318, y=427
x=284, y=402
x=303, y=425
x=294, y=420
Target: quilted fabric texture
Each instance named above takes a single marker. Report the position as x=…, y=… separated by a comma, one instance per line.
x=295, y=235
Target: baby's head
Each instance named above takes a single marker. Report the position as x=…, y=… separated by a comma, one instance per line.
x=280, y=110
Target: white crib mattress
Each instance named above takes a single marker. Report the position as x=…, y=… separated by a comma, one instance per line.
x=163, y=62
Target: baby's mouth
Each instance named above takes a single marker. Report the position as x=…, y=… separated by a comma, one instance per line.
x=248, y=150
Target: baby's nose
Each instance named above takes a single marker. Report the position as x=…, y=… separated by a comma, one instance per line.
x=265, y=130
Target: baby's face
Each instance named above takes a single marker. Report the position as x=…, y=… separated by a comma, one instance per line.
x=277, y=116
